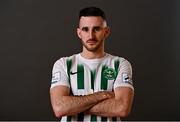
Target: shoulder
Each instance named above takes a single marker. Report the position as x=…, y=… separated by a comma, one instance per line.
x=118, y=59
x=65, y=60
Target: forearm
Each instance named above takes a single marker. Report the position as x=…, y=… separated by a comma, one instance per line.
x=70, y=105
x=109, y=108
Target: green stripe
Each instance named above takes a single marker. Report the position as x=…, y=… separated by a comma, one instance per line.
x=69, y=65
x=104, y=81
x=116, y=66
x=80, y=77
x=69, y=118
x=114, y=119
x=93, y=118
x=103, y=119
x=80, y=117
x=92, y=79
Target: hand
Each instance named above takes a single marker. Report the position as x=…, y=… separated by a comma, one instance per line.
x=105, y=95
x=109, y=94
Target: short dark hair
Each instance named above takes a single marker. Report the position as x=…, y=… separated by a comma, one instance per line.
x=92, y=11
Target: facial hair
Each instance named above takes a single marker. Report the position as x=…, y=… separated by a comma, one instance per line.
x=94, y=49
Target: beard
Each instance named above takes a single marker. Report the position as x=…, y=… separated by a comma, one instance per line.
x=92, y=45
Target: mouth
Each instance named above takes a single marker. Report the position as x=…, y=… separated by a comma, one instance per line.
x=91, y=41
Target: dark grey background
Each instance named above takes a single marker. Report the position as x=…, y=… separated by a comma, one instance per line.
x=35, y=33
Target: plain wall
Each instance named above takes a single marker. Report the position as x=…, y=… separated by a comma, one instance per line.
x=36, y=33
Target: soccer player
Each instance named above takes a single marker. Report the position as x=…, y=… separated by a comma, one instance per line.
x=92, y=85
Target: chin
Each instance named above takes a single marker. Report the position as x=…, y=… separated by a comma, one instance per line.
x=92, y=49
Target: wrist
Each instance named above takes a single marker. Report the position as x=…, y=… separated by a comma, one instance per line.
x=102, y=95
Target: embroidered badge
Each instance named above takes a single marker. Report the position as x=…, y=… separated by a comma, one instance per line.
x=56, y=77
x=109, y=73
x=125, y=78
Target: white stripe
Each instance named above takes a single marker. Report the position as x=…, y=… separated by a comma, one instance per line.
x=110, y=85
x=64, y=119
x=87, y=80
x=74, y=77
x=98, y=119
x=118, y=119
x=97, y=83
x=87, y=118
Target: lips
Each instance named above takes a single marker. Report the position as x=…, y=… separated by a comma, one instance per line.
x=91, y=41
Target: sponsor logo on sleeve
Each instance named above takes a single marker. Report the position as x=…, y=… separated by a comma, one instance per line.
x=126, y=78
x=56, y=77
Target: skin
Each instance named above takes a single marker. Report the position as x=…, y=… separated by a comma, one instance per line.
x=92, y=32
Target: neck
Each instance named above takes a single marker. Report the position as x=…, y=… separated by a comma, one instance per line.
x=92, y=55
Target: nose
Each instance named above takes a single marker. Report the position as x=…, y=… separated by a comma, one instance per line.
x=91, y=34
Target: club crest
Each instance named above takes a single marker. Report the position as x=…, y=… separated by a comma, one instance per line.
x=109, y=73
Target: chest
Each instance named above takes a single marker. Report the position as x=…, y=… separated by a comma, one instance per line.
x=84, y=80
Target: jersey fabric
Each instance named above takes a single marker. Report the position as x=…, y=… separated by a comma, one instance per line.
x=86, y=76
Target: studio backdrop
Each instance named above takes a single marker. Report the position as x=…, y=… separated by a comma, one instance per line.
x=36, y=33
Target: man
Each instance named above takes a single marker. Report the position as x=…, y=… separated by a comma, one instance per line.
x=92, y=85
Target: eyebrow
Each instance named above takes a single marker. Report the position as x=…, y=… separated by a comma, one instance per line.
x=84, y=27
x=93, y=27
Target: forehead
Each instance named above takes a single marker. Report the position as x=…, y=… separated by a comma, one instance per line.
x=91, y=21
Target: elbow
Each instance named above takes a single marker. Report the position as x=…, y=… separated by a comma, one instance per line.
x=58, y=114
x=123, y=112
x=59, y=111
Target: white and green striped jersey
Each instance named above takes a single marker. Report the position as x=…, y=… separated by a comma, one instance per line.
x=86, y=76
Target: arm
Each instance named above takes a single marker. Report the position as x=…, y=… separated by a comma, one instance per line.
x=118, y=106
x=64, y=104
x=121, y=104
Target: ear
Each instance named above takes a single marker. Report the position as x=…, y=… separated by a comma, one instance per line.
x=107, y=32
x=79, y=32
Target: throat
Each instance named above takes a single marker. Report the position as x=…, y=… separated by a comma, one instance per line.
x=92, y=55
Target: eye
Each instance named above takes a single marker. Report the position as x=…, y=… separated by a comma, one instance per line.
x=97, y=29
x=85, y=29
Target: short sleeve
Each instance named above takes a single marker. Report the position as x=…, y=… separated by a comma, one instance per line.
x=59, y=74
x=124, y=76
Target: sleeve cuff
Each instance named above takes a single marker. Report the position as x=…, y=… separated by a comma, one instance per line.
x=124, y=85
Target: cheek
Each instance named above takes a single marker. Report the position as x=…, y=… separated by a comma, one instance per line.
x=105, y=35
x=101, y=35
x=83, y=38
